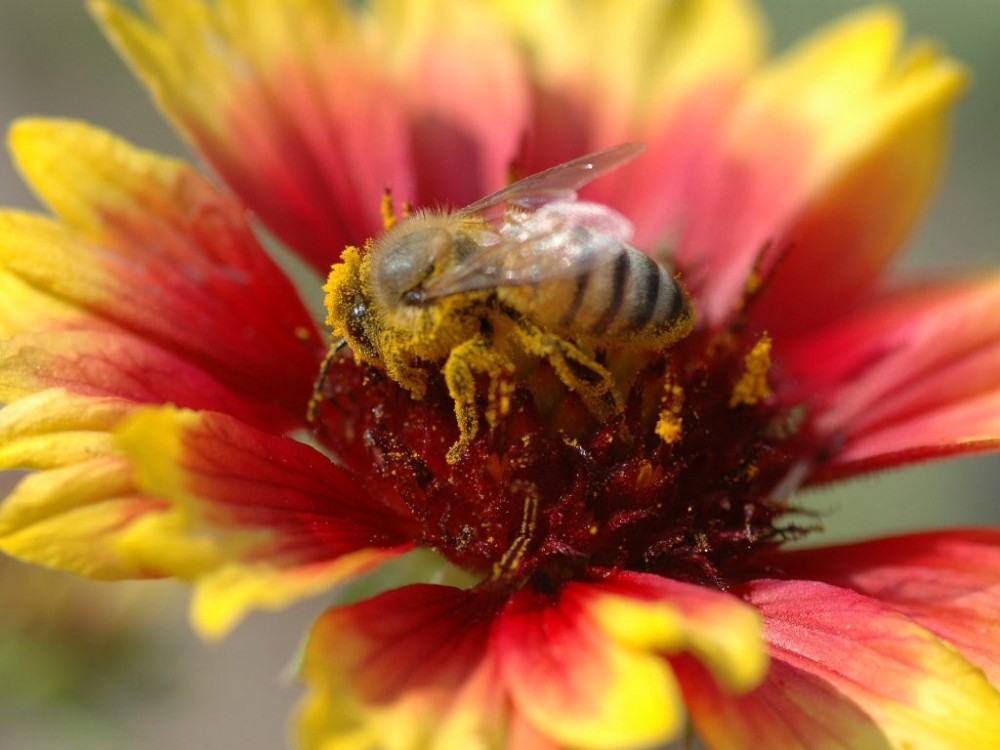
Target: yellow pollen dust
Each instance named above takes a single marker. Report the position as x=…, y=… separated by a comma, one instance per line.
x=752, y=386
x=669, y=424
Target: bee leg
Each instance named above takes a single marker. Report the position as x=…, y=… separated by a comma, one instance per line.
x=324, y=368
x=476, y=355
x=401, y=369
x=580, y=373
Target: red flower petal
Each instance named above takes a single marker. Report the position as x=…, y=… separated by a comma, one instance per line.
x=912, y=375
x=587, y=668
x=114, y=364
x=888, y=148
x=619, y=73
x=948, y=581
x=433, y=666
x=152, y=248
x=407, y=669
x=847, y=672
x=310, y=128
x=570, y=679
x=255, y=519
x=829, y=154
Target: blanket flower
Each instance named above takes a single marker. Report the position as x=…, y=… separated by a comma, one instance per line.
x=567, y=568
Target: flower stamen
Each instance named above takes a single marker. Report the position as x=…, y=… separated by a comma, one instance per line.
x=388, y=211
x=752, y=387
x=512, y=558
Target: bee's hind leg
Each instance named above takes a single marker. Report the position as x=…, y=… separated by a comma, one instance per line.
x=477, y=355
x=580, y=373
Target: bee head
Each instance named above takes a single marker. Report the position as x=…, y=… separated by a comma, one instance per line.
x=403, y=259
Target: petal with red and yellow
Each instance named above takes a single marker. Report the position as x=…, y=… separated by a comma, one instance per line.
x=823, y=165
x=310, y=109
x=116, y=364
x=847, y=671
x=437, y=667
x=80, y=496
x=254, y=519
x=912, y=375
x=409, y=669
x=66, y=391
x=135, y=297
x=947, y=581
x=608, y=72
x=663, y=73
x=590, y=667
x=149, y=248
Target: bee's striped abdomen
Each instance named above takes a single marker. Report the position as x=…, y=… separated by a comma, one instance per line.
x=627, y=298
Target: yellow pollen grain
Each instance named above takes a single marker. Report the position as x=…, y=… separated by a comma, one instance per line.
x=593, y=529
x=668, y=427
x=669, y=424
x=752, y=386
x=302, y=333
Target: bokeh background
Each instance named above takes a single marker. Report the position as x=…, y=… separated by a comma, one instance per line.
x=86, y=665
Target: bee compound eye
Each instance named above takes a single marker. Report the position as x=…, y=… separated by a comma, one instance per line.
x=356, y=322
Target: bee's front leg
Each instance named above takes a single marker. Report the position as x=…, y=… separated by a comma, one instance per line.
x=465, y=361
x=580, y=373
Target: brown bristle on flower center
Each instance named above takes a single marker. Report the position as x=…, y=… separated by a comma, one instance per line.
x=689, y=481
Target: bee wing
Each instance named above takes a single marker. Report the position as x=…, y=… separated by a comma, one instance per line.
x=560, y=240
x=556, y=183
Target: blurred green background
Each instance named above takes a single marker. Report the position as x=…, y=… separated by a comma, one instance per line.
x=166, y=689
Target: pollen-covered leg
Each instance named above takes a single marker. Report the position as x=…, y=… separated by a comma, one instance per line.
x=593, y=382
x=476, y=355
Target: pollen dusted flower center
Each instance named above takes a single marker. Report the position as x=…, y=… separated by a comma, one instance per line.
x=689, y=481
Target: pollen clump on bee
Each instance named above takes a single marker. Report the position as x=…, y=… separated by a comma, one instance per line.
x=430, y=332
x=752, y=387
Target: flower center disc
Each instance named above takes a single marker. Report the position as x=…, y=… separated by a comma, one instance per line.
x=689, y=481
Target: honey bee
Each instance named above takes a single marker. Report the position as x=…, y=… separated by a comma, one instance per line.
x=529, y=270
